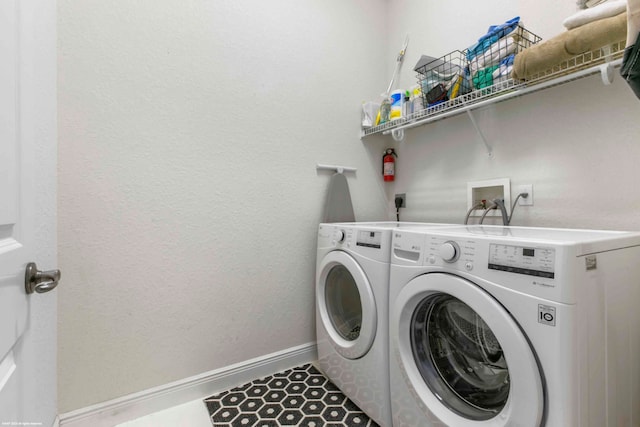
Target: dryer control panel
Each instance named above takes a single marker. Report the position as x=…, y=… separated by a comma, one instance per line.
x=369, y=238
x=370, y=242
x=538, y=262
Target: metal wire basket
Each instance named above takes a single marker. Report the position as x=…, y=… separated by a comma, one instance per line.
x=462, y=76
x=492, y=64
x=443, y=79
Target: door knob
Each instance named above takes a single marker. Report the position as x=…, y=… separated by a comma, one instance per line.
x=40, y=281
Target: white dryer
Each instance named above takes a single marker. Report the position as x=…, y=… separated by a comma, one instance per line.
x=352, y=311
x=514, y=326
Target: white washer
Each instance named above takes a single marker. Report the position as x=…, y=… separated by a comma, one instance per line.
x=352, y=311
x=514, y=326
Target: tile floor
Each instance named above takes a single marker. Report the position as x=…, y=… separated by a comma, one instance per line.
x=300, y=396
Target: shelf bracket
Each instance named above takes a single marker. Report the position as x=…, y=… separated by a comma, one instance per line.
x=480, y=134
x=398, y=135
x=606, y=72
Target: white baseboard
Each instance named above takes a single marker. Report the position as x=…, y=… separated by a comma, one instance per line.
x=136, y=405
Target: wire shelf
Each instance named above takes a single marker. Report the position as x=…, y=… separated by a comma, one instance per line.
x=575, y=68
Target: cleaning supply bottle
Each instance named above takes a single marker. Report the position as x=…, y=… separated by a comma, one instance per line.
x=397, y=99
x=384, y=114
x=416, y=99
x=406, y=106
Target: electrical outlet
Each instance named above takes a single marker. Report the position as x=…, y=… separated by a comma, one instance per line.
x=402, y=196
x=527, y=188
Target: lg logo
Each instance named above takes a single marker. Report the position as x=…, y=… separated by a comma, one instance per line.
x=546, y=315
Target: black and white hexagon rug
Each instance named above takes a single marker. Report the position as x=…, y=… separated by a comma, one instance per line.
x=299, y=396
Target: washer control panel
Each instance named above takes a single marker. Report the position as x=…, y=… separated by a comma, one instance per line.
x=539, y=262
x=530, y=266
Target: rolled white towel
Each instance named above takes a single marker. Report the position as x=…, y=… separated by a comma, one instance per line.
x=601, y=11
x=494, y=54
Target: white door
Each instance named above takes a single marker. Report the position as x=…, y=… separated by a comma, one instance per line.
x=27, y=210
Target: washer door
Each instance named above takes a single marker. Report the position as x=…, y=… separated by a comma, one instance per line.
x=346, y=304
x=464, y=356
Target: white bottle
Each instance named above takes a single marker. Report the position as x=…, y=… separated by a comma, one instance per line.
x=407, y=109
x=416, y=99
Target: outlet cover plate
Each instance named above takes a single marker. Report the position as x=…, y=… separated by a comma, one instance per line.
x=526, y=188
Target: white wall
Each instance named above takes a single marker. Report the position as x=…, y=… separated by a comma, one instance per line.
x=577, y=144
x=188, y=195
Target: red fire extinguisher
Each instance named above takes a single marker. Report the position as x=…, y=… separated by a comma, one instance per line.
x=389, y=164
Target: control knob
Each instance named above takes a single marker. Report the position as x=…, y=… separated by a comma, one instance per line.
x=339, y=236
x=449, y=251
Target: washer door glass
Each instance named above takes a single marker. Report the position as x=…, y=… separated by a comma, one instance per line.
x=459, y=357
x=342, y=299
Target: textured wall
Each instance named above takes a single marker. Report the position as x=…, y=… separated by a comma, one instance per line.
x=577, y=143
x=188, y=195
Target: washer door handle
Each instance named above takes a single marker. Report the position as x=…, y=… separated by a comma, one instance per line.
x=40, y=281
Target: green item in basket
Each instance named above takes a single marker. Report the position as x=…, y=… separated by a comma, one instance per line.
x=484, y=78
